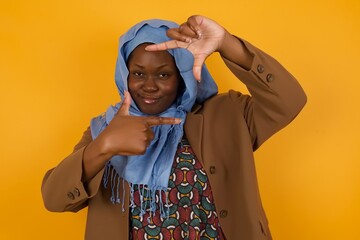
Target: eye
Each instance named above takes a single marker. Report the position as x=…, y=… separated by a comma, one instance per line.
x=163, y=75
x=137, y=74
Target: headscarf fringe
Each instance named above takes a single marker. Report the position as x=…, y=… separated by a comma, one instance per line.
x=117, y=184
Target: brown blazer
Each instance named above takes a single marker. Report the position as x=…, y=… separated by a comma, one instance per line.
x=223, y=133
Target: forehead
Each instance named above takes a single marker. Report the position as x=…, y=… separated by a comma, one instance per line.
x=140, y=55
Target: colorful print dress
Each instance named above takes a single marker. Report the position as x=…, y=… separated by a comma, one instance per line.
x=192, y=213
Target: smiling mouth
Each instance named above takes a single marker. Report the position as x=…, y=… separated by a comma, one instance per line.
x=149, y=100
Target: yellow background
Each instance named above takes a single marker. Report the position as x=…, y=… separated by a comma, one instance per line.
x=57, y=62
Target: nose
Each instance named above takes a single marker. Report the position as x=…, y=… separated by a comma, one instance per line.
x=150, y=84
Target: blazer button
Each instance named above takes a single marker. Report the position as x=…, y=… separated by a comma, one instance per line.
x=260, y=68
x=71, y=195
x=212, y=169
x=77, y=192
x=223, y=213
x=269, y=77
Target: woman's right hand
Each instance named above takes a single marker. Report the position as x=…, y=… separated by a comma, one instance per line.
x=130, y=135
x=125, y=135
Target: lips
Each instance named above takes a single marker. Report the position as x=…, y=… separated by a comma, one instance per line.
x=149, y=100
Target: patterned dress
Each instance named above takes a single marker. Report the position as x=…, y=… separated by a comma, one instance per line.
x=192, y=213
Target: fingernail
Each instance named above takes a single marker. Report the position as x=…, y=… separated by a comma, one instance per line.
x=148, y=48
x=197, y=72
x=178, y=120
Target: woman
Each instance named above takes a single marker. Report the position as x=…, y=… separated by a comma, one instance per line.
x=176, y=159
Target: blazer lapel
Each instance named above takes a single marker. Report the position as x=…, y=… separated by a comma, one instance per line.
x=193, y=130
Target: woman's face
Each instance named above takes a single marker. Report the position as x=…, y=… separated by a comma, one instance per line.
x=153, y=79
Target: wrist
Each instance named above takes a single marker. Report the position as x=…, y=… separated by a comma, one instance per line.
x=98, y=150
x=103, y=148
x=235, y=50
x=224, y=44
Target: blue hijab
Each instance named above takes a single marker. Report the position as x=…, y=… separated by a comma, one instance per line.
x=151, y=170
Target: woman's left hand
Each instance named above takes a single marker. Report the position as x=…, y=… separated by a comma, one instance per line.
x=200, y=35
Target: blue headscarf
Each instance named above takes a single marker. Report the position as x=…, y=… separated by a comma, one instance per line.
x=153, y=168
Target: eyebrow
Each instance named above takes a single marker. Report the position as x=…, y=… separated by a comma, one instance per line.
x=159, y=67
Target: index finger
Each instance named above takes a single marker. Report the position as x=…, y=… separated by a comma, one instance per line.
x=155, y=121
x=166, y=45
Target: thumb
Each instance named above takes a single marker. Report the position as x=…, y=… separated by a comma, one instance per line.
x=198, y=63
x=124, y=108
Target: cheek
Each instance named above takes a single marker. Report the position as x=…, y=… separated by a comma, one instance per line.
x=169, y=90
x=171, y=87
x=132, y=85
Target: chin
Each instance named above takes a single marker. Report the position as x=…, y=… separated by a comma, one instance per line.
x=151, y=112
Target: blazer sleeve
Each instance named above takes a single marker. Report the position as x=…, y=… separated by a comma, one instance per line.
x=62, y=187
x=276, y=96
